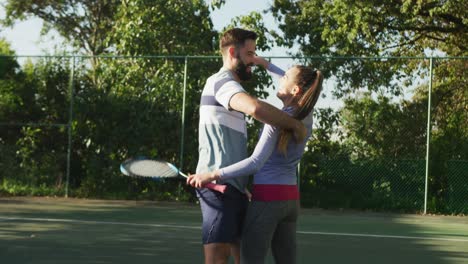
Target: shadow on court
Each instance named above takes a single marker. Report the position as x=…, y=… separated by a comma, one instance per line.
x=40, y=230
x=382, y=238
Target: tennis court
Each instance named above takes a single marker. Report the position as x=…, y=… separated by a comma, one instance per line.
x=57, y=230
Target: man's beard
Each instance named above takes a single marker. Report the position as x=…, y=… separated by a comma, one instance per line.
x=241, y=70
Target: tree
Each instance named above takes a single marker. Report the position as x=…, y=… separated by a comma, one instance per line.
x=10, y=107
x=374, y=126
x=130, y=104
x=9, y=78
x=84, y=24
x=136, y=107
x=35, y=93
x=370, y=28
x=386, y=28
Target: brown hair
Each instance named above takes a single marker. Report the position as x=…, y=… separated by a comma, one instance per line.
x=236, y=37
x=310, y=81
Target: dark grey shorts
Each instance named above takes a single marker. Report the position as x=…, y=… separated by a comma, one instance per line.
x=223, y=215
x=270, y=224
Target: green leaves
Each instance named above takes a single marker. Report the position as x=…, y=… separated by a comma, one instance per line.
x=84, y=24
x=347, y=28
x=151, y=28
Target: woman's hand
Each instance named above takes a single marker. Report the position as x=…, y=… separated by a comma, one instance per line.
x=257, y=60
x=199, y=180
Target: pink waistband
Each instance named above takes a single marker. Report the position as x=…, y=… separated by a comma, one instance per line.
x=274, y=192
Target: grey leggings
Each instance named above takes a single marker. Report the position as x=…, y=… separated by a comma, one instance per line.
x=270, y=224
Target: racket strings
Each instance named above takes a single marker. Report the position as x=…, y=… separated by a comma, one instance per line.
x=167, y=172
x=151, y=168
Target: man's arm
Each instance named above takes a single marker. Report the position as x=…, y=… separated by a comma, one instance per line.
x=267, y=114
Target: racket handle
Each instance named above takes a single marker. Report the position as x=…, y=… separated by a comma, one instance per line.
x=216, y=187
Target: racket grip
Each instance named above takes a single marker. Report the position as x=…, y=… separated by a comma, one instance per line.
x=216, y=187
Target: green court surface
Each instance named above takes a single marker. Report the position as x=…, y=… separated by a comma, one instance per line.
x=55, y=230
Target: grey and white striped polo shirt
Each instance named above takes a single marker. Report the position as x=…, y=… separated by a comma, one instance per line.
x=222, y=135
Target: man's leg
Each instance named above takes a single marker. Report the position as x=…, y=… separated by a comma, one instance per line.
x=223, y=215
x=235, y=252
x=217, y=253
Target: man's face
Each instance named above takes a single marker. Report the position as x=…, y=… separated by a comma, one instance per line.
x=245, y=55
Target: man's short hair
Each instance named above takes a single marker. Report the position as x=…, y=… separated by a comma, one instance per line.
x=236, y=37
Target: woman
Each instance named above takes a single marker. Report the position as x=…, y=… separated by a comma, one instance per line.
x=272, y=215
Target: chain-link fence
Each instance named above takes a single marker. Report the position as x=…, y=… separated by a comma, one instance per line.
x=66, y=123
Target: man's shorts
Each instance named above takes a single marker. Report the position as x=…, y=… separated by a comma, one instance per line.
x=223, y=214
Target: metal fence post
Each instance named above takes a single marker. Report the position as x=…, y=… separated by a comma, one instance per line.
x=182, y=128
x=428, y=134
x=70, y=120
x=299, y=177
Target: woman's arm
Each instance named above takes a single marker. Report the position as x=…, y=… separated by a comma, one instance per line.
x=265, y=146
x=268, y=66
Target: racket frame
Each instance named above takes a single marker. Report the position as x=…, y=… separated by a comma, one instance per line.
x=125, y=165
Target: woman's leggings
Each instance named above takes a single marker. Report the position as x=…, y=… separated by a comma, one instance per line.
x=271, y=223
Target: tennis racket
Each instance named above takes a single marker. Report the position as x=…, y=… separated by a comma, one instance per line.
x=144, y=167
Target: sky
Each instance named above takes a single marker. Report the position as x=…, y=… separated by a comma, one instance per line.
x=25, y=38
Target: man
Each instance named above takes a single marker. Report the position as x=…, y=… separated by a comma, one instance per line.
x=223, y=141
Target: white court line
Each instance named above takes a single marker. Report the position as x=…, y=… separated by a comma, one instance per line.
x=198, y=228
x=382, y=236
x=93, y=222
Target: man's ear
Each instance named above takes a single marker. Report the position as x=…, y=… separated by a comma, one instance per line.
x=232, y=51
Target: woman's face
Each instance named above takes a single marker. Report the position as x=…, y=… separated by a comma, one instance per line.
x=288, y=84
